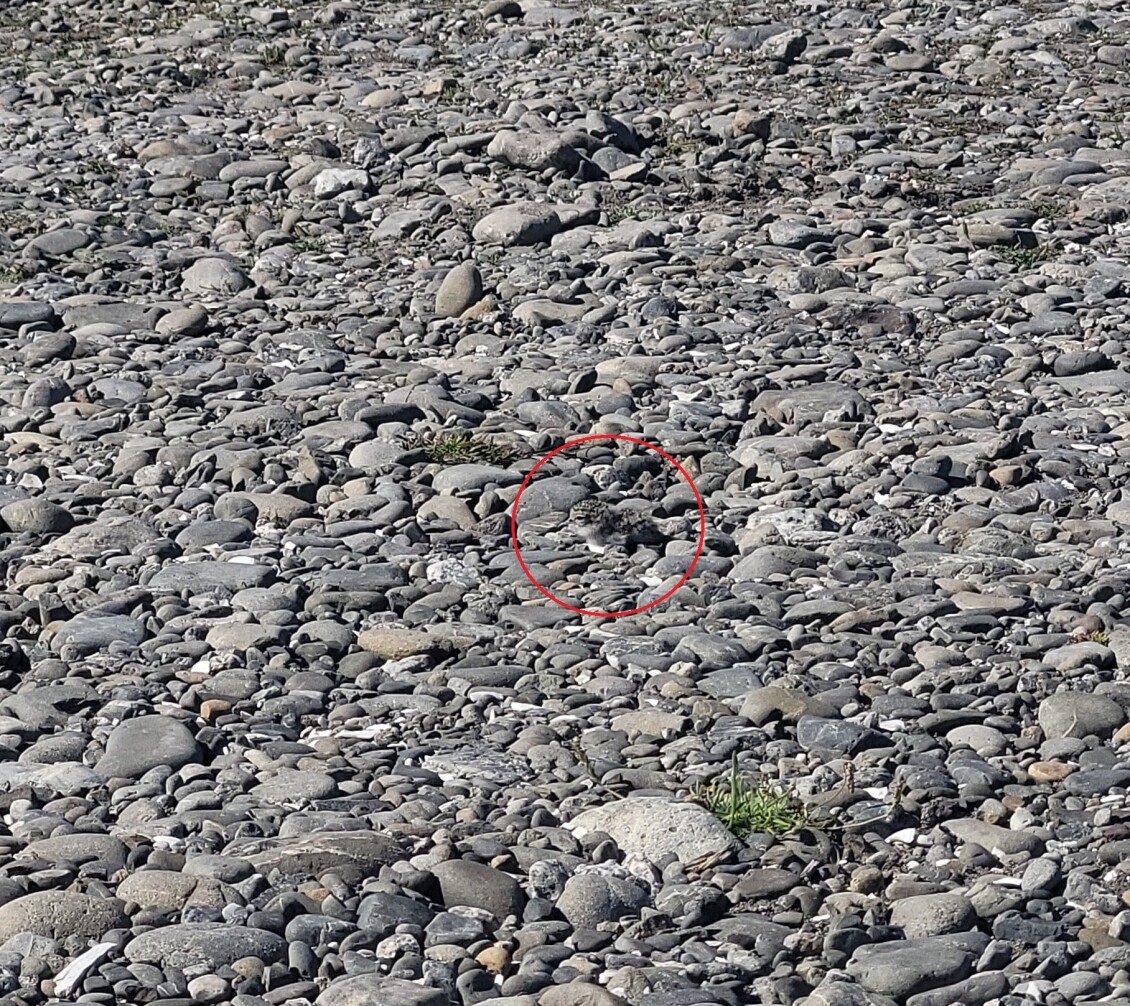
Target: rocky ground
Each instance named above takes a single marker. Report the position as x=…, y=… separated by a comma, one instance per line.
x=291, y=299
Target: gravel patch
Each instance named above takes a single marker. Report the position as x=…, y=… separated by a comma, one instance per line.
x=293, y=300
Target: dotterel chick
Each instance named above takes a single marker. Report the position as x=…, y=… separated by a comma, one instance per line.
x=600, y=526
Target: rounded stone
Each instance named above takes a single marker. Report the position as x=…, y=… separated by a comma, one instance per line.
x=464, y=882
x=135, y=746
x=204, y=944
x=36, y=516
x=933, y=914
x=461, y=288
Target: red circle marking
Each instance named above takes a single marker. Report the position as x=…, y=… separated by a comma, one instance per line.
x=632, y=440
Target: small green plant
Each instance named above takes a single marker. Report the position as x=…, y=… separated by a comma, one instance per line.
x=12, y=273
x=747, y=809
x=309, y=244
x=617, y=213
x=272, y=55
x=1051, y=210
x=975, y=206
x=1028, y=258
x=466, y=448
x=676, y=146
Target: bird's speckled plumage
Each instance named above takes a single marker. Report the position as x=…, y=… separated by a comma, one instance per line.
x=601, y=525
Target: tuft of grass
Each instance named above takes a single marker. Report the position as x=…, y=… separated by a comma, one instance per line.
x=1028, y=258
x=975, y=206
x=309, y=244
x=676, y=144
x=1052, y=209
x=273, y=55
x=466, y=448
x=746, y=809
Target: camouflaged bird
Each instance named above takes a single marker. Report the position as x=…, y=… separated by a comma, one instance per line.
x=602, y=526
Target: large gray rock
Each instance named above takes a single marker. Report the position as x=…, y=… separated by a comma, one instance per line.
x=311, y=855
x=464, y=882
x=1077, y=714
x=973, y=991
x=59, y=914
x=789, y=704
x=472, y=478
x=207, y=944
x=899, y=968
x=212, y=277
x=208, y=577
x=110, y=535
x=135, y=746
x=374, y=989
x=93, y=633
x=524, y=224
x=293, y=784
x=36, y=516
x=169, y=889
x=651, y=828
x=333, y=181
x=995, y=838
x=933, y=914
x=80, y=848
x=461, y=288
x=535, y=150
x=841, y=993
x=592, y=898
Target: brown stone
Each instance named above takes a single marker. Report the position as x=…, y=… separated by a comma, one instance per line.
x=1096, y=934
x=495, y=959
x=866, y=880
x=213, y=709
x=1049, y=771
x=395, y=643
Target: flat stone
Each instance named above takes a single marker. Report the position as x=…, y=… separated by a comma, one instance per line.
x=183, y=323
x=366, y=990
x=60, y=914
x=993, y=837
x=393, y=643
x=80, y=849
x=763, y=704
x=109, y=535
x=1078, y=714
x=933, y=915
x=169, y=889
x=205, y=577
x=58, y=243
x=535, y=150
x=897, y=969
x=86, y=634
x=527, y=224
x=204, y=944
x=293, y=784
x=311, y=855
